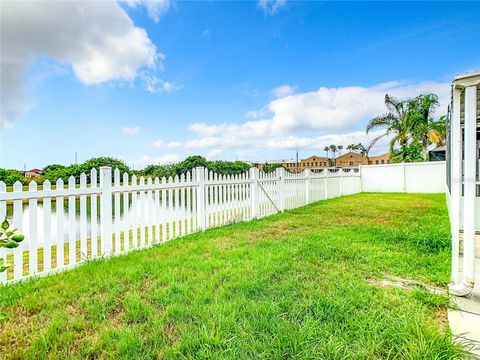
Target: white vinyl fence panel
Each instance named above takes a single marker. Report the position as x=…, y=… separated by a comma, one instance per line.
x=108, y=214
x=421, y=177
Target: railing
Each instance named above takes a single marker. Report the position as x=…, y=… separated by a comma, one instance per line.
x=65, y=226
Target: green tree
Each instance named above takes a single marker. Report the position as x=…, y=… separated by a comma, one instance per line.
x=9, y=177
x=268, y=168
x=189, y=163
x=327, y=149
x=424, y=129
x=333, y=150
x=228, y=167
x=52, y=167
x=396, y=122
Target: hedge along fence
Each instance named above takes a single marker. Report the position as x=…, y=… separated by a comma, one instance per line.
x=66, y=224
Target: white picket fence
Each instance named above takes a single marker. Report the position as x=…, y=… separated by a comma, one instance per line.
x=65, y=226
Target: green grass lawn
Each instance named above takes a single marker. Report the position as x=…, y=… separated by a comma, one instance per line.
x=303, y=284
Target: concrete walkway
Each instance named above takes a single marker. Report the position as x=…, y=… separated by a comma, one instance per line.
x=465, y=322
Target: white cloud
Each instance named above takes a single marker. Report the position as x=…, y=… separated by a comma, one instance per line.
x=323, y=112
x=290, y=142
x=170, y=145
x=213, y=154
x=257, y=128
x=329, y=109
x=166, y=159
x=283, y=90
x=270, y=7
x=155, y=8
x=96, y=38
x=130, y=130
x=154, y=84
x=205, y=33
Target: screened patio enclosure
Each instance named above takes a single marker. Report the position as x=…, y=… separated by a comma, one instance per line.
x=463, y=180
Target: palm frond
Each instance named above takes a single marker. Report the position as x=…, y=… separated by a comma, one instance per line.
x=381, y=121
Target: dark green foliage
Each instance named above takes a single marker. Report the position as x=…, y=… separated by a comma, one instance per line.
x=9, y=177
x=268, y=168
x=53, y=167
x=191, y=162
x=411, y=126
x=407, y=153
x=56, y=171
x=228, y=167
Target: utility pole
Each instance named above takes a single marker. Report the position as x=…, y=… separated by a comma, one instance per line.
x=76, y=162
x=297, y=160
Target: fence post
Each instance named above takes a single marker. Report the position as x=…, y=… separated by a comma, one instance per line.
x=341, y=181
x=280, y=173
x=326, y=183
x=404, y=179
x=254, y=192
x=106, y=210
x=361, y=176
x=307, y=186
x=200, y=179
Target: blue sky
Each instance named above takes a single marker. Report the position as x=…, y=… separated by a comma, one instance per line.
x=153, y=82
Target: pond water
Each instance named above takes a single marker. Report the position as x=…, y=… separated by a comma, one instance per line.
x=135, y=219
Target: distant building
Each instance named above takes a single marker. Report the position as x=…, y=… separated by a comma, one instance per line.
x=317, y=162
x=312, y=162
x=380, y=159
x=350, y=159
x=34, y=173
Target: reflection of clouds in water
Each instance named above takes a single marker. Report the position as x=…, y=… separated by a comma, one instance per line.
x=135, y=219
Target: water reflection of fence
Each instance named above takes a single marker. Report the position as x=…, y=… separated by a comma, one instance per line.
x=66, y=225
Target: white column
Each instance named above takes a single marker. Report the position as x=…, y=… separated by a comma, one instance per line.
x=469, y=185
x=455, y=182
x=254, y=191
x=307, y=186
x=280, y=173
x=106, y=210
x=200, y=178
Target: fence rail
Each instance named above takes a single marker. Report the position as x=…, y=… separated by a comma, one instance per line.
x=69, y=224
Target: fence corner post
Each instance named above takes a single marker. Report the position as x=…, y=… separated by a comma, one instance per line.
x=307, y=186
x=106, y=210
x=280, y=173
x=200, y=179
x=254, y=192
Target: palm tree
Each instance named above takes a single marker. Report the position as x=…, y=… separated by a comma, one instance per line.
x=333, y=149
x=340, y=148
x=327, y=149
x=425, y=130
x=363, y=151
x=352, y=147
x=396, y=122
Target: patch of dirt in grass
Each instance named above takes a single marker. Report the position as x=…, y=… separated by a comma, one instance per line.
x=441, y=317
x=13, y=331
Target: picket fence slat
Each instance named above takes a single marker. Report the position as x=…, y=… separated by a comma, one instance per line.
x=127, y=213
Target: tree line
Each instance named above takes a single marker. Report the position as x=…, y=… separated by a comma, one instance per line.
x=57, y=171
